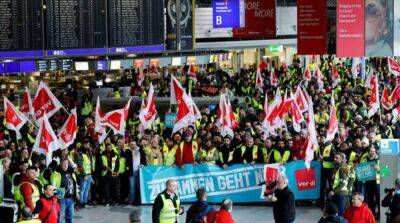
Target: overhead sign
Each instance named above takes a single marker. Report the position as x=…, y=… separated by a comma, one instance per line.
x=396, y=27
x=389, y=146
x=350, y=28
x=228, y=13
x=311, y=31
x=260, y=20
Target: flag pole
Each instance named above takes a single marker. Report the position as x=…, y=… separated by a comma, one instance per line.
x=66, y=110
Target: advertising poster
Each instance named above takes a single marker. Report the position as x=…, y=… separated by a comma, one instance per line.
x=378, y=28
x=396, y=27
x=187, y=15
x=228, y=14
x=350, y=28
x=311, y=27
x=260, y=20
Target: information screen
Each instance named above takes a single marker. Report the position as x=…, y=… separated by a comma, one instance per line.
x=136, y=25
x=75, y=27
x=21, y=28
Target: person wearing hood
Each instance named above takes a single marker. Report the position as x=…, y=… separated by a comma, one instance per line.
x=359, y=211
x=200, y=211
x=331, y=215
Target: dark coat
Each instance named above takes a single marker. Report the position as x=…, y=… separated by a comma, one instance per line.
x=284, y=207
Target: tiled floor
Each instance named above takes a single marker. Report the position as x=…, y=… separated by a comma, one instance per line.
x=242, y=214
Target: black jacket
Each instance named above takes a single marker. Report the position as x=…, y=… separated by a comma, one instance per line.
x=284, y=207
x=393, y=202
x=198, y=210
x=158, y=205
x=129, y=160
x=332, y=219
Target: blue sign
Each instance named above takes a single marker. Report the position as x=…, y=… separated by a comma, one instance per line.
x=102, y=65
x=136, y=49
x=228, y=13
x=389, y=146
x=77, y=52
x=169, y=120
x=21, y=54
x=238, y=182
x=366, y=171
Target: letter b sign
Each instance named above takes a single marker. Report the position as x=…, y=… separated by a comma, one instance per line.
x=218, y=20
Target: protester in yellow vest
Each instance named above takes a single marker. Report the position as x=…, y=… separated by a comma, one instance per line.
x=207, y=154
x=339, y=191
x=86, y=164
x=372, y=186
x=169, y=152
x=247, y=153
x=153, y=154
x=167, y=205
x=110, y=169
x=281, y=154
x=27, y=193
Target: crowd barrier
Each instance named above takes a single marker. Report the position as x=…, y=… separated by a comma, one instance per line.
x=241, y=182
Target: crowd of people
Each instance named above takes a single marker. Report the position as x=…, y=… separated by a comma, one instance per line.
x=89, y=172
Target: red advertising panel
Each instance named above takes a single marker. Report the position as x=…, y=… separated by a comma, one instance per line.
x=260, y=20
x=311, y=27
x=350, y=28
x=305, y=179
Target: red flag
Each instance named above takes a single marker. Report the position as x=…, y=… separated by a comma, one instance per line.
x=44, y=102
x=333, y=126
x=179, y=96
x=395, y=96
x=274, y=110
x=116, y=121
x=26, y=106
x=148, y=112
x=126, y=109
x=297, y=117
x=273, y=78
x=195, y=112
x=317, y=74
x=301, y=99
x=394, y=67
x=335, y=76
x=395, y=113
x=307, y=74
x=259, y=81
x=67, y=134
x=386, y=101
x=46, y=140
x=191, y=72
x=374, y=103
x=13, y=117
x=99, y=127
x=312, y=142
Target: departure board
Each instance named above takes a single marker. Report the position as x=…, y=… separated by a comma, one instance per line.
x=21, y=28
x=136, y=25
x=75, y=27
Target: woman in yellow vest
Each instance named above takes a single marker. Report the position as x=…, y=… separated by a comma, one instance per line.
x=153, y=154
x=372, y=186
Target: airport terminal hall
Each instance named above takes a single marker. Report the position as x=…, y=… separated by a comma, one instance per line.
x=200, y=111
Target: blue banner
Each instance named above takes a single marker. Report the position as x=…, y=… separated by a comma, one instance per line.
x=228, y=14
x=366, y=171
x=238, y=182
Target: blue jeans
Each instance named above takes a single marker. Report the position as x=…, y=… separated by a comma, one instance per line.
x=133, y=181
x=67, y=210
x=340, y=201
x=86, y=182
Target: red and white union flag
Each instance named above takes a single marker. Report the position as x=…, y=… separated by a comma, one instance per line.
x=44, y=102
x=67, y=134
x=46, y=140
x=13, y=117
